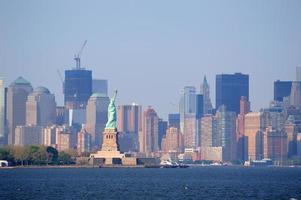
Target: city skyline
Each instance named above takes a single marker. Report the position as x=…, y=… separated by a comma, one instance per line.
x=155, y=44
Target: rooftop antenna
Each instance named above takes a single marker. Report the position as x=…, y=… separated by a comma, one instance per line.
x=77, y=56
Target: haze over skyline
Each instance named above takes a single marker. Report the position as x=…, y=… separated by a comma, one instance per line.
x=150, y=50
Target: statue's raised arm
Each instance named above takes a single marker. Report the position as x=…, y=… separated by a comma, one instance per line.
x=111, y=123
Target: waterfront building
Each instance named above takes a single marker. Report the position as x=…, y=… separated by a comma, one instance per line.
x=240, y=128
x=162, y=128
x=230, y=88
x=16, y=105
x=148, y=138
x=208, y=130
x=100, y=86
x=49, y=134
x=212, y=153
x=28, y=135
x=172, y=141
x=96, y=118
x=63, y=138
x=40, y=108
x=83, y=141
x=191, y=136
x=254, y=128
x=275, y=145
x=226, y=133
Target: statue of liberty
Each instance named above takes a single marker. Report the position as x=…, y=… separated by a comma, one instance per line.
x=111, y=124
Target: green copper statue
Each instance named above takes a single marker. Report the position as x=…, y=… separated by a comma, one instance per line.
x=111, y=124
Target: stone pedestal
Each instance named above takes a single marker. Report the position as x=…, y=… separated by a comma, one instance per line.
x=109, y=149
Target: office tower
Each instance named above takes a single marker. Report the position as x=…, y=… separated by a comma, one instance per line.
x=298, y=73
x=174, y=120
x=205, y=91
x=28, y=135
x=61, y=115
x=100, y=86
x=295, y=97
x=40, y=107
x=282, y=89
x=275, y=145
x=96, y=118
x=77, y=88
x=254, y=128
x=129, y=118
x=191, y=136
x=63, y=138
x=208, y=130
x=16, y=105
x=199, y=106
x=172, y=141
x=274, y=117
x=162, y=127
x=83, y=141
x=291, y=130
x=226, y=133
x=49, y=134
x=240, y=128
x=229, y=89
x=2, y=113
x=148, y=138
x=187, y=104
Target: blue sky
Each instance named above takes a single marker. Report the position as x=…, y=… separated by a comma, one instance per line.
x=149, y=50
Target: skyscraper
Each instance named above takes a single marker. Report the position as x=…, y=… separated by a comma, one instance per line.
x=254, y=128
x=298, y=73
x=229, y=89
x=2, y=112
x=16, y=105
x=199, y=106
x=77, y=88
x=40, y=107
x=187, y=104
x=205, y=91
x=240, y=136
x=282, y=89
x=28, y=135
x=295, y=96
x=96, y=117
x=83, y=141
x=174, y=120
x=148, y=138
x=191, y=134
x=100, y=86
x=208, y=130
x=172, y=141
x=226, y=133
x=162, y=127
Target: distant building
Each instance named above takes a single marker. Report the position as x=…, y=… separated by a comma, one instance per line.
x=275, y=145
x=191, y=136
x=63, y=138
x=172, y=141
x=148, y=138
x=240, y=128
x=2, y=113
x=229, y=89
x=77, y=88
x=291, y=130
x=226, y=133
x=162, y=127
x=187, y=104
x=28, y=135
x=83, y=141
x=208, y=130
x=96, y=118
x=212, y=153
x=282, y=89
x=199, y=106
x=298, y=73
x=40, y=107
x=174, y=120
x=295, y=96
x=254, y=128
x=100, y=86
x=16, y=105
x=49, y=135
x=205, y=91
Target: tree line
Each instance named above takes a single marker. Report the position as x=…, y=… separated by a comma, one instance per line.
x=36, y=155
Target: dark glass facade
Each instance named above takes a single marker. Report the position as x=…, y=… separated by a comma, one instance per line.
x=78, y=88
x=162, y=126
x=229, y=89
x=174, y=120
x=282, y=89
x=199, y=106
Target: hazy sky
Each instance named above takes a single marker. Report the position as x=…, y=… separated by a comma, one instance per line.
x=149, y=50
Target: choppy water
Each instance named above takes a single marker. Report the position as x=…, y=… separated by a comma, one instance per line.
x=136, y=183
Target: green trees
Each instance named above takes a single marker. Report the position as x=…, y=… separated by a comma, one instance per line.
x=36, y=155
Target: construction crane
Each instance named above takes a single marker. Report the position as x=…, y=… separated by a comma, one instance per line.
x=77, y=56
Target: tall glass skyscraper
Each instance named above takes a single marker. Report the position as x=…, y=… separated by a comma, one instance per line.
x=187, y=104
x=77, y=88
x=229, y=89
x=282, y=89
